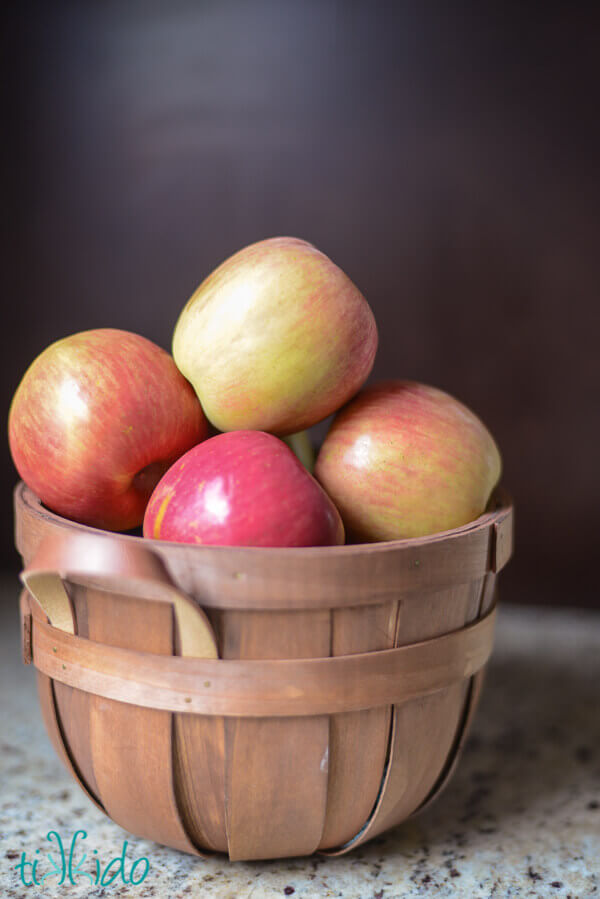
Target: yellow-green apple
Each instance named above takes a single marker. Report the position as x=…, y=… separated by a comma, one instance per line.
x=404, y=460
x=242, y=488
x=275, y=339
x=96, y=420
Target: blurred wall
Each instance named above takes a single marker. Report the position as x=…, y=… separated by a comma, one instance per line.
x=445, y=155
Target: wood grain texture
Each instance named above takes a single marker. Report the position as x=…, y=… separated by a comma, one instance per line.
x=52, y=717
x=199, y=771
x=132, y=747
x=128, y=572
x=303, y=577
x=74, y=704
x=199, y=775
x=471, y=703
x=358, y=741
x=280, y=745
x=423, y=729
x=26, y=624
x=276, y=768
x=264, y=687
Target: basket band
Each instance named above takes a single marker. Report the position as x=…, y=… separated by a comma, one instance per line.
x=268, y=579
x=261, y=688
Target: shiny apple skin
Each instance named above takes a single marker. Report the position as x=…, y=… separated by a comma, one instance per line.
x=275, y=339
x=242, y=488
x=406, y=460
x=96, y=420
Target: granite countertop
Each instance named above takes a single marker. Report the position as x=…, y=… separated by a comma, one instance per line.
x=521, y=816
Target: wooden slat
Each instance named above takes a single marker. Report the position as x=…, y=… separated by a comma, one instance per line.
x=54, y=727
x=200, y=774
x=51, y=715
x=358, y=741
x=502, y=542
x=453, y=702
x=199, y=769
x=74, y=705
x=51, y=599
x=276, y=769
x=131, y=746
x=423, y=729
x=26, y=636
x=486, y=603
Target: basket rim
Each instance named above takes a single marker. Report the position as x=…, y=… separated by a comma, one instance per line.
x=500, y=500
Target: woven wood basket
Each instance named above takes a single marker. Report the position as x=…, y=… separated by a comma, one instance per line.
x=258, y=702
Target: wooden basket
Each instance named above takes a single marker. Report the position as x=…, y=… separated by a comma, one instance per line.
x=258, y=702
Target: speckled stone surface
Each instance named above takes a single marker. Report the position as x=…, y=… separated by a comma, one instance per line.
x=520, y=818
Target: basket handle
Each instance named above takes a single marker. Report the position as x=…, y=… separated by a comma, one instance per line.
x=115, y=565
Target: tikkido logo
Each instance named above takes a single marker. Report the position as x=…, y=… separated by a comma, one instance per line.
x=66, y=869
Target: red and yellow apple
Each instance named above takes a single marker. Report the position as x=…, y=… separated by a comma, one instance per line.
x=275, y=339
x=242, y=488
x=96, y=420
x=405, y=460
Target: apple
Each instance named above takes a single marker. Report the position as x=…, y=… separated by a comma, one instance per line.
x=275, y=339
x=302, y=447
x=405, y=460
x=96, y=420
x=242, y=488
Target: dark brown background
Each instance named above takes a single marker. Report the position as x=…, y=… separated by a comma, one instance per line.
x=445, y=155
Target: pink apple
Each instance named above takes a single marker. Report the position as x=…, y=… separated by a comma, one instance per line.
x=275, y=339
x=404, y=460
x=242, y=488
x=95, y=422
